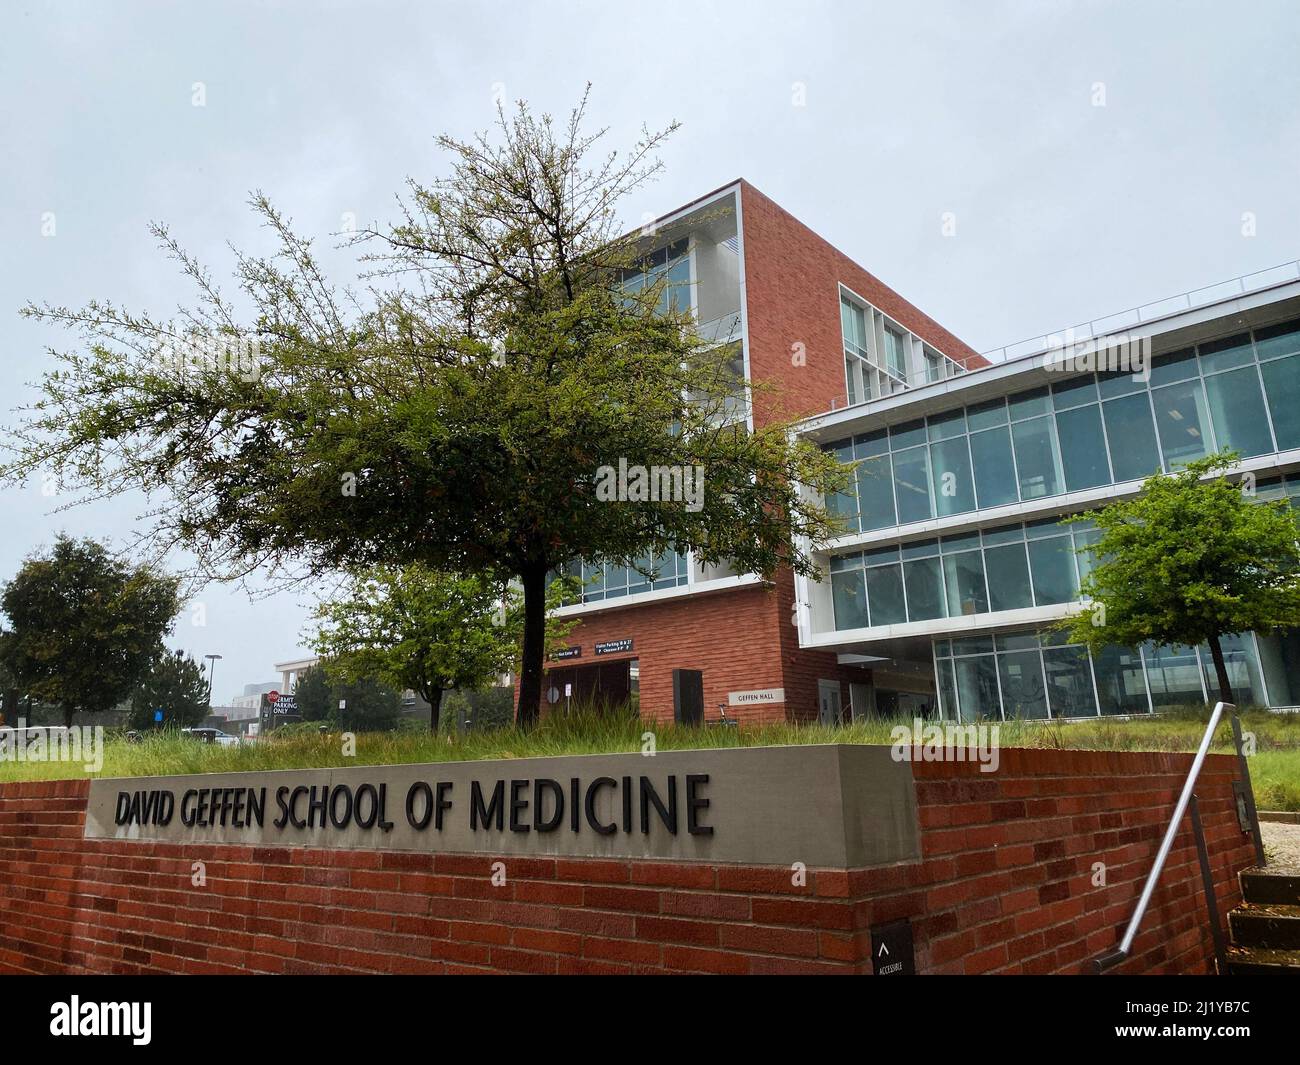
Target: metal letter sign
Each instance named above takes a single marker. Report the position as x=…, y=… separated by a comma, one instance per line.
x=891, y=950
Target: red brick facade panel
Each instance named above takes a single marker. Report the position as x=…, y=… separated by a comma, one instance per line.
x=792, y=279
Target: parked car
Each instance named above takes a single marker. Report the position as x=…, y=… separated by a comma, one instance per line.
x=212, y=735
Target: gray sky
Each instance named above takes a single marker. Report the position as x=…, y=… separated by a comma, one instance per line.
x=1064, y=210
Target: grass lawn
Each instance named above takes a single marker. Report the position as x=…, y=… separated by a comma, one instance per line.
x=1275, y=768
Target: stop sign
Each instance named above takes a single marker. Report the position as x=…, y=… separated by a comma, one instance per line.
x=272, y=697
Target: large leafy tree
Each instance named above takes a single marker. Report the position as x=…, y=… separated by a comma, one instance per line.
x=418, y=629
x=1194, y=557
x=84, y=627
x=456, y=413
x=177, y=686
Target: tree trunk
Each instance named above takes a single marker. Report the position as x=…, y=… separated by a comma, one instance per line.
x=1220, y=670
x=67, y=717
x=534, y=650
x=434, y=699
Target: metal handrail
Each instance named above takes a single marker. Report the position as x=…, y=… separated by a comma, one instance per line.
x=1114, y=957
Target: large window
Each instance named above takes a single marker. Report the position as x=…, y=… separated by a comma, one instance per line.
x=609, y=580
x=1006, y=568
x=876, y=361
x=857, y=352
x=672, y=265
x=1038, y=675
x=1091, y=430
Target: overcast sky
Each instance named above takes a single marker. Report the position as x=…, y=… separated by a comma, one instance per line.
x=1064, y=210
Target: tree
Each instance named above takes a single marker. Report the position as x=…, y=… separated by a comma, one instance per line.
x=84, y=628
x=369, y=706
x=457, y=414
x=175, y=685
x=1191, y=559
x=416, y=628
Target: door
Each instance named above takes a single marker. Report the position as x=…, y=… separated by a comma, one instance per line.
x=828, y=702
x=862, y=701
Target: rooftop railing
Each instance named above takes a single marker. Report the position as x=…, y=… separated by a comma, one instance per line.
x=1148, y=312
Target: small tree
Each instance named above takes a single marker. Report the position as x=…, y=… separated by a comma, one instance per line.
x=368, y=705
x=416, y=628
x=84, y=628
x=1191, y=559
x=175, y=685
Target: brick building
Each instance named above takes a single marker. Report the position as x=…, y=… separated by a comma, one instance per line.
x=942, y=594
x=760, y=281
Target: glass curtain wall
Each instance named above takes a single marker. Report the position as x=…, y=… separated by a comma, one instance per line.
x=1007, y=568
x=1039, y=675
x=1241, y=392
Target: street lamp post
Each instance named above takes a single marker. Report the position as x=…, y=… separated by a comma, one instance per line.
x=212, y=665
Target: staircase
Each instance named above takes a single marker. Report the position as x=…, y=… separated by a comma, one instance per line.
x=1266, y=926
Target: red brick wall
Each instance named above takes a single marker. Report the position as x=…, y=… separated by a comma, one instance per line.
x=730, y=635
x=740, y=639
x=1004, y=886
x=792, y=296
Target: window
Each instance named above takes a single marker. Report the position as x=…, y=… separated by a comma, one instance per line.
x=1069, y=681
x=1131, y=435
x=1007, y=569
x=1036, y=461
x=1277, y=340
x=1173, y=676
x=1121, y=681
x=1282, y=385
x=1051, y=570
x=670, y=265
x=857, y=367
x=1023, y=692
x=977, y=687
x=849, y=595
x=954, y=487
x=923, y=580
x=885, y=594
x=995, y=469
x=964, y=577
x=1083, y=447
x=1237, y=411
x=895, y=359
x=608, y=580
x=876, y=493
x=912, y=485
x=1181, y=420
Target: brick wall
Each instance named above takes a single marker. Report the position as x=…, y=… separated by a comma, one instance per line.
x=1005, y=885
x=741, y=639
x=792, y=279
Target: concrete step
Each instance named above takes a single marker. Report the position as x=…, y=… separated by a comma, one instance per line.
x=1271, y=925
x=1261, y=961
x=1269, y=888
